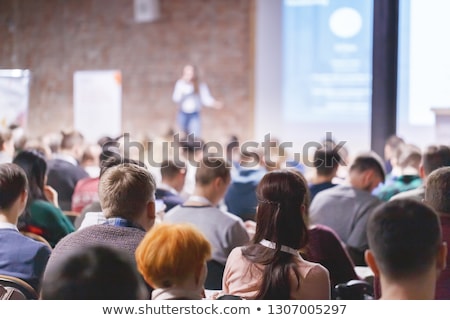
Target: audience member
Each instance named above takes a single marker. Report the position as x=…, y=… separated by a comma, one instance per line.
x=224, y=230
x=192, y=154
x=240, y=197
x=391, y=146
x=172, y=259
x=19, y=137
x=86, y=189
x=6, y=146
x=326, y=163
x=232, y=149
x=53, y=141
x=404, y=174
x=406, y=251
x=434, y=157
x=93, y=273
x=92, y=213
x=437, y=195
x=20, y=256
x=126, y=195
x=64, y=170
x=346, y=208
x=90, y=159
x=42, y=215
x=270, y=267
x=173, y=176
x=325, y=247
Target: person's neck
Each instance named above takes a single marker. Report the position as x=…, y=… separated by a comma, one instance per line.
x=322, y=179
x=420, y=288
x=8, y=217
x=203, y=193
x=169, y=184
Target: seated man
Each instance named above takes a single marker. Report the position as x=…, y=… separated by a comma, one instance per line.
x=326, y=164
x=406, y=251
x=64, y=170
x=20, y=256
x=434, y=157
x=240, y=197
x=405, y=173
x=127, y=197
x=437, y=195
x=224, y=230
x=346, y=208
x=172, y=183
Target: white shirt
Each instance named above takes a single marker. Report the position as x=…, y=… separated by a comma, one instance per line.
x=7, y=225
x=188, y=100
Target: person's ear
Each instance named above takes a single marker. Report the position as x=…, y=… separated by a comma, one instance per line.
x=219, y=182
x=200, y=273
x=23, y=197
x=371, y=262
x=303, y=209
x=151, y=211
x=441, y=261
x=422, y=172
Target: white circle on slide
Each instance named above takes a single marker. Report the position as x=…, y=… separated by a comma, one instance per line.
x=345, y=22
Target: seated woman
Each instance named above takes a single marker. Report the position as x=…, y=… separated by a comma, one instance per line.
x=271, y=267
x=172, y=259
x=41, y=216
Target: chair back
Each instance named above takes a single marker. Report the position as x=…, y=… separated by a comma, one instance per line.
x=353, y=290
x=214, y=277
x=36, y=237
x=12, y=288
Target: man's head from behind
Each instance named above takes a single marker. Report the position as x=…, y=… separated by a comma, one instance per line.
x=72, y=143
x=173, y=174
x=437, y=191
x=128, y=191
x=367, y=171
x=13, y=185
x=405, y=241
x=213, y=177
x=434, y=157
x=326, y=162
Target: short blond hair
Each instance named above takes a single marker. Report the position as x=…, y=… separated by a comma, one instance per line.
x=125, y=190
x=170, y=253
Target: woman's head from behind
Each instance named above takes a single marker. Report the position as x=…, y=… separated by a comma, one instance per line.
x=174, y=256
x=282, y=198
x=35, y=167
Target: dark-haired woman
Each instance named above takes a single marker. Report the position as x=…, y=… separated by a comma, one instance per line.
x=41, y=216
x=271, y=267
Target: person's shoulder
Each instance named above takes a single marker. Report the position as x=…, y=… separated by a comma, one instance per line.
x=313, y=269
x=21, y=241
x=337, y=191
x=45, y=206
x=173, y=212
x=236, y=253
x=417, y=194
x=322, y=231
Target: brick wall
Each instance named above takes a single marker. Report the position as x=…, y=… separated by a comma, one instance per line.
x=54, y=38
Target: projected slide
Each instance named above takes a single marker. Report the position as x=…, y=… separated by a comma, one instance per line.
x=327, y=60
x=424, y=64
